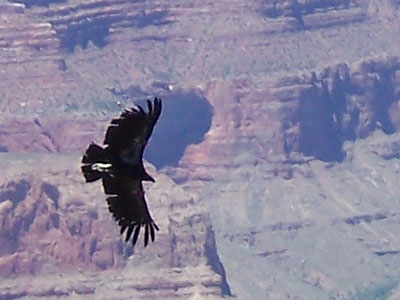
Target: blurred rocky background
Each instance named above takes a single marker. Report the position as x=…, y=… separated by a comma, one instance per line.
x=276, y=156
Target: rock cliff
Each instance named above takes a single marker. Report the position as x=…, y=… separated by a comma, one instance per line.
x=54, y=223
x=277, y=148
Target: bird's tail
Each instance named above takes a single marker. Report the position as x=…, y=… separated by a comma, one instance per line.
x=95, y=163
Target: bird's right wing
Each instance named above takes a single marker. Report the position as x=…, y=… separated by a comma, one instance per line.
x=129, y=133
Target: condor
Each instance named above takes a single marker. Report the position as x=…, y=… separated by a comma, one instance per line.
x=119, y=164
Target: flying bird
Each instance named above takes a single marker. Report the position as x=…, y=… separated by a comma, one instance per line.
x=119, y=164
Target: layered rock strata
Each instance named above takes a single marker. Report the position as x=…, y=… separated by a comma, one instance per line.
x=53, y=223
x=292, y=85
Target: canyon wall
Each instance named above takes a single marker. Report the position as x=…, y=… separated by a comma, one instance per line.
x=277, y=146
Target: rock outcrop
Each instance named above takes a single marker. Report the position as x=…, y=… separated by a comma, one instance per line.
x=291, y=154
x=53, y=223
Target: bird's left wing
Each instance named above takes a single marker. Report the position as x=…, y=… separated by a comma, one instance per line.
x=129, y=208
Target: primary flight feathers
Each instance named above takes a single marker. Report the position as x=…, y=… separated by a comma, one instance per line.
x=120, y=166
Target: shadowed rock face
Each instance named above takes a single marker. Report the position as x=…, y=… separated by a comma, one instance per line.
x=310, y=115
x=14, y=191
x=314, y=114
x=96, y=30
x=80, y=34
x=80, y=31
x=343, y=104
x=186, y=118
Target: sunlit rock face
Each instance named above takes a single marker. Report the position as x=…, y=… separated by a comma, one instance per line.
x=312, y=114
x=38, y=228
x=54, y=223
x=276, y=156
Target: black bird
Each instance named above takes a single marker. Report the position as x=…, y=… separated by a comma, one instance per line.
x=120, y=166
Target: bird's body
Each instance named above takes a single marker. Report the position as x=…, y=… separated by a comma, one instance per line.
x=120, y=166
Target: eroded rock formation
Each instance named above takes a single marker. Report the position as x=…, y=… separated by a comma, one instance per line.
x=295, y=95
x=52, y=221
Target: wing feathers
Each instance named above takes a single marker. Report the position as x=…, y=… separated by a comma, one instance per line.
x=94, y=153
x=110, y=186
x=123, y=228
x=128, y=207
x=152, y=234
x=128, y=134
x=157, y=108
x=156, y=227
x=150, y=106
x=146, y=234
x=135, y=235
x=141, y=110
x=124, y=141
x=128, y=234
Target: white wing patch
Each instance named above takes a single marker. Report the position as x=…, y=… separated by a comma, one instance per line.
x=102, y=167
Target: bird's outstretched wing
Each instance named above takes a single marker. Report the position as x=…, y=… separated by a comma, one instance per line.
x=128, y=134
x=129, y=208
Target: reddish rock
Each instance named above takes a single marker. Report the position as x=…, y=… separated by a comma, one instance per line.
x=46, y=228
x=50, y=134
x=62, y=67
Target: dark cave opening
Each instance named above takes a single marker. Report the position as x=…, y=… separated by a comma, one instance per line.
x=185, y=119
